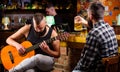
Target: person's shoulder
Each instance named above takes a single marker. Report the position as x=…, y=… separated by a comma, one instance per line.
x=25, y=28
x=58, y=16
x=58, y=19
x=54, y=33
x=94, y=32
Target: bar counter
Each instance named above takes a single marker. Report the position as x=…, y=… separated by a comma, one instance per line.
x=79, y=42
x=75, y=48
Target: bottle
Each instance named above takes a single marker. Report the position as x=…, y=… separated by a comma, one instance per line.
x=9, y=3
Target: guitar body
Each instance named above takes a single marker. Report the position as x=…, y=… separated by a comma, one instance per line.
x=10, y=56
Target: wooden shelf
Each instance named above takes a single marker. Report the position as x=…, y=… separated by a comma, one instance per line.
x=19, y=11
x=61, y=8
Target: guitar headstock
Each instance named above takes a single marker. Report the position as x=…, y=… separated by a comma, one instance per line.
x=63, y=36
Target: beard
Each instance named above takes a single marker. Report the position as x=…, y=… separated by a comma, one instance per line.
x=90, y=24
x=38, y=34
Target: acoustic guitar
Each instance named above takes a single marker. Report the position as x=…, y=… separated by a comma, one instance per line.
x=10, y=57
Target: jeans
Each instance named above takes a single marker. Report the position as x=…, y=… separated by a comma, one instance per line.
x=76, y=71
x=40, y=61
x=30, y=70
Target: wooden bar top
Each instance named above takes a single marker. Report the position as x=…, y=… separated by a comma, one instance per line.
x=81, y=42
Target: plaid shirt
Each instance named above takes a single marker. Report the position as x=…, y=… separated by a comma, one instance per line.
x=100, y=42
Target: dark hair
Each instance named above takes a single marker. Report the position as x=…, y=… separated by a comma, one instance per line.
x=49, y=5
x=97, y=10
x=38, y=17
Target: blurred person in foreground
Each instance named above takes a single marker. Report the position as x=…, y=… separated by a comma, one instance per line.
x=100, y=42
x=36, y=32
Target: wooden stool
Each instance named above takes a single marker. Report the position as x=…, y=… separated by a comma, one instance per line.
x=112, y=64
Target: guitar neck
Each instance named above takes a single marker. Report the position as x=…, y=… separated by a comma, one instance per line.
x=37, y=45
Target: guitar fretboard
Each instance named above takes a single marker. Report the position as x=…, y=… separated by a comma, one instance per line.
x=61, y=37
x=37, y=45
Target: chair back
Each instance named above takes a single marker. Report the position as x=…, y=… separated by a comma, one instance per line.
x=112, y=64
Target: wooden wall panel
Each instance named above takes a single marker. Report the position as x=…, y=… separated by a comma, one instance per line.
x=111, y=5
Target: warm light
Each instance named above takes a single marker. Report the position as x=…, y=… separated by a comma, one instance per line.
x=5, y=21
